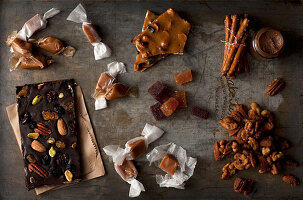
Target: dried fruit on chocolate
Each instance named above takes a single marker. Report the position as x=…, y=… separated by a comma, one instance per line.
x=56, y=171
x=52, y=152
x=23, y=92
x=199, y=112
x=32, y=179
x=49, y=115
x=25, y=118
x=62, y=159
x=46, y=160
x=32, y=124
x=68, y=175
x=184, y=77
x=61, y=126
x=291, y=180
x=32, y=167
x=228, y=123
x=68, y=105
x=242, y=185
x=61, y=95
x=157, y=112
x=275, y=86
x=30, y=158
x=51, y=96
x=74, y=145
x=43, y=129
x=37, y=146
x=59, y=109
x=33, y=135
x=60, y=144
x=51, y=140
x=37, y=99
x=169, y=106
x=159, y=91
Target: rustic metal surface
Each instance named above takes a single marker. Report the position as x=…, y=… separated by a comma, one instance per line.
x=119, y=22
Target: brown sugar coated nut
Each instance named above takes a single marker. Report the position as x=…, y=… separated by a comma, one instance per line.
x=242, y=185
x=275, y=86
x=137, y=148
x=51, y=44
x=291, y=180
x=127, y=170
x=169, y=164
x=91, y=33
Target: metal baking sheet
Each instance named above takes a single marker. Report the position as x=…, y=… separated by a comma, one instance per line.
x=118, y=22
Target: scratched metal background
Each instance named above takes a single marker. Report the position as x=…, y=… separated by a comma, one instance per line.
x=119, y=22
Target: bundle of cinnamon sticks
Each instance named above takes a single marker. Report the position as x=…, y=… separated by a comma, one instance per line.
x=235, y=60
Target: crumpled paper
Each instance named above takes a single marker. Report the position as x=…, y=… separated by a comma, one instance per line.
x=91, y=161
x=150, y=133
x=183, y=172
x=36, y=23
x=78, y=15
x=113, y=69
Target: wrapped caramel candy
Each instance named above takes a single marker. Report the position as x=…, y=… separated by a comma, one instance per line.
x=37, y=61
x=133, y=149
x=54, y=46
x=173, y=160
x=79, y=15
x=22, y=48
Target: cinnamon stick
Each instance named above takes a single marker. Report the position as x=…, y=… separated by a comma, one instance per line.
x=233, y=29
x=227, y=24
x=235, y=62
x=233, y=48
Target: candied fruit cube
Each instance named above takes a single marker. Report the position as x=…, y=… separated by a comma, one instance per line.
x=159, y=91
x=199, y=112
x=157, y=112
x=169, y=106
x=184, y=77
x=181, y=97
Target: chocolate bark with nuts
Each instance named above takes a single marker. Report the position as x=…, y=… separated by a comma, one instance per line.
x=46, y=146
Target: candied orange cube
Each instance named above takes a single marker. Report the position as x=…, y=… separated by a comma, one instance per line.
x=184, y=77
x=169, y=106
x=181, y=97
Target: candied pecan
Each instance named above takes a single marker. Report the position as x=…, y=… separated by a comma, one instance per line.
x=241, y=109
x=258, y=134
x=291, y=180
x=242, y=160
x=228, y=123
x=249, y=126
x=244, y=135
x=256, y=108
x=265, y=151
x=267, y=114
x=253, y=143
x=275, y=86
x=242, y=185
x=275, y=156
x=266, y=142
x=274, y=170
x=228, y=171
x=217, y=153
x=252, y=114
x=268, y=126
x=253, y=160
x=236, y=116
x=234, y=132
x=264, y=166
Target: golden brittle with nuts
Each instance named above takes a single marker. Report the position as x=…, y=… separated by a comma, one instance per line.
x=254, y=145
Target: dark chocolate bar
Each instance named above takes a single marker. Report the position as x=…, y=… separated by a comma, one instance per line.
x=48, y=133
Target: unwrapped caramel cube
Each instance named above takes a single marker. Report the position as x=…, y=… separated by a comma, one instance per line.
x=169, y=164
x=169, y=107
x=184, y=77
x=181, y=97
x=127, y=170
x=137, y=148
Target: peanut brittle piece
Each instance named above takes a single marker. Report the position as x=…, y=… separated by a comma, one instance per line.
x=169, y=35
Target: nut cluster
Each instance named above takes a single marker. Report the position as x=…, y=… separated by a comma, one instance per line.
x=254, y=145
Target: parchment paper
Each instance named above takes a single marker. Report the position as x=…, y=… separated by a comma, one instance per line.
x=91, y=161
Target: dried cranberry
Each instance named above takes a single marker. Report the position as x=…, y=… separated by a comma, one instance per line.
x=56, y=171
x=62, y=159
x=72, y=126
x=59, y=109
x=32, y=124
x=51, y=96
x=46, y=160
x=25, y=118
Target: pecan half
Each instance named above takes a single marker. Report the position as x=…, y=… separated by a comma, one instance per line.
x=228, y=171
x=242, y=185
x=32, y=167
x=43, y=129
x=236, y=115
x=241, y=109
x=291, y=180
x=275, y=86
x=217, y=153
x=228, y=123
x=264, y=166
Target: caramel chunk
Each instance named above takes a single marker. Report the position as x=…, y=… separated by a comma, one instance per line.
x=184, y=77
x=137, y=148
x=168, y=35
x=127, y=170
x=181, y=97
x=37, y=61
x=91, y=33
x=115, y=91
x=169, y=107
x=104, y=81
x=169, y=164
x=21, y=47
x=51, y=44
x=157, y=112
x=159, y=91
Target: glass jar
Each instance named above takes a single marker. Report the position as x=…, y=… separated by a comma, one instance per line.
x=267, y=43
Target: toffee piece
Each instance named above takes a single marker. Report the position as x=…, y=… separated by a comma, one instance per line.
x=51, y=44
x=127, y=170
x=137, y=148
x=169, y=164
x=90, y=32
x=115, y=91
x=169, y=35
x=48, y=154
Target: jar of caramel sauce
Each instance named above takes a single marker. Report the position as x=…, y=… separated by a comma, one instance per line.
x=267, y=43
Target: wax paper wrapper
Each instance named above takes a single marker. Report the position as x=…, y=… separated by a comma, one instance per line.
x=113, y=69
x=91, y=161
x=78, y=15
x=183, y=172
x=36, y=23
